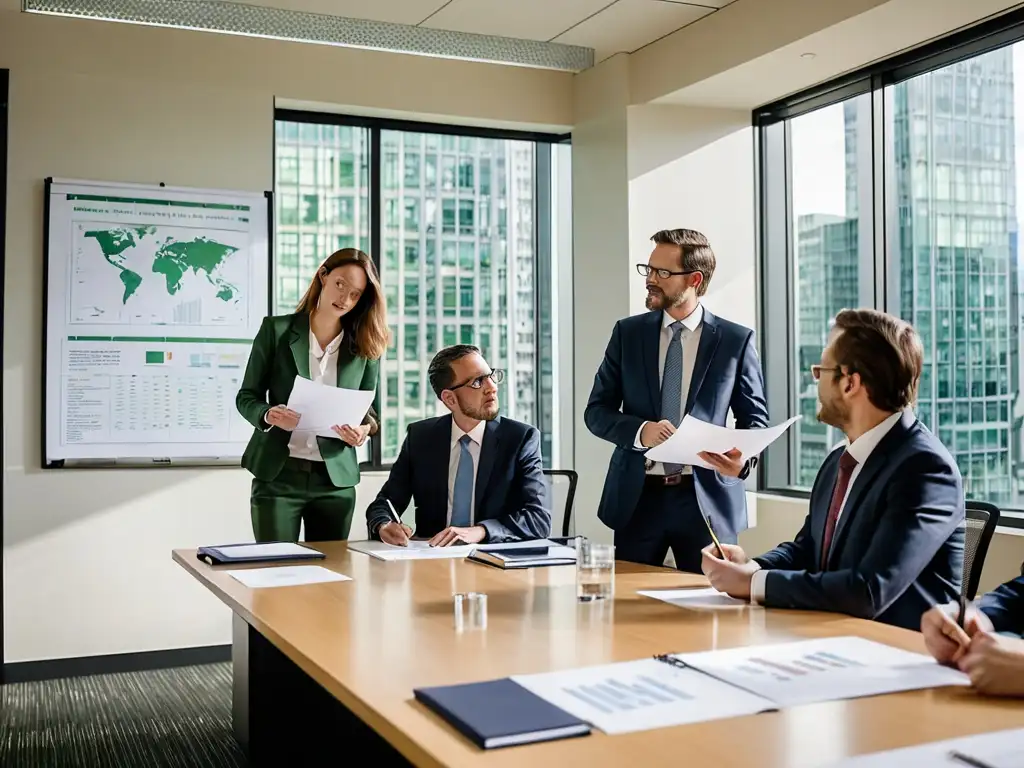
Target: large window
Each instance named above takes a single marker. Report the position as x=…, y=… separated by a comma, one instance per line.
x=449, y=274
x=902, y=196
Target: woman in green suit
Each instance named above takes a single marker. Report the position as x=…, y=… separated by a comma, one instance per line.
x=337, y=338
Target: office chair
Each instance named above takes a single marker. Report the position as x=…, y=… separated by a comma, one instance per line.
x=982, y=518
x=573, y=479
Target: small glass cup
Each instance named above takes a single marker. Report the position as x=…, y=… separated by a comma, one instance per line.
x=470, y=610
x=595, y=571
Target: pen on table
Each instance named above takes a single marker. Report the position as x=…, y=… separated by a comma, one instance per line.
x=974, y=762
x=711, y=530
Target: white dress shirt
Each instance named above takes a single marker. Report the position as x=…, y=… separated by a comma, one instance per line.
x=476, y=439
x=861, y=450
x=323, y=369
x=690, y=339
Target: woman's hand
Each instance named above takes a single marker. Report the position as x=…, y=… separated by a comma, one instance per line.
x=283, y=418
x=354, y=436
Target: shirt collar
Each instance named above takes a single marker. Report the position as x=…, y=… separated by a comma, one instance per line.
x=332, y=346
x=691, y=322
x=476, y=434
x=862, y=447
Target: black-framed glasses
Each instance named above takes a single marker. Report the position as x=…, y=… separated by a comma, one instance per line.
x=497, y=376
x=663, y=274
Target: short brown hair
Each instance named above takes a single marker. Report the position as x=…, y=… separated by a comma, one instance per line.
x=366, y=325
x=885, y=351
x=697, y=255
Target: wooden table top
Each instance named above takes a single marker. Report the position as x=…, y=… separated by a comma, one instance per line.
x=372, y=640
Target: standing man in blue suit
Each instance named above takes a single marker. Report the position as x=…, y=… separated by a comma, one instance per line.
x=884, y=535
x=675, y=360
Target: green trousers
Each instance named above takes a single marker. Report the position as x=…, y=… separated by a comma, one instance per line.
x=301, y=493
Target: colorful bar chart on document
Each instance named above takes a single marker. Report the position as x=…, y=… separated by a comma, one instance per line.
x=828, y=669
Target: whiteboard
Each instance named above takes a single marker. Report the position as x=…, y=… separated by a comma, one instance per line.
x=153, y=296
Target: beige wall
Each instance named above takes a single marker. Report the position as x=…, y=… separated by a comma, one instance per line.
x=87, y=566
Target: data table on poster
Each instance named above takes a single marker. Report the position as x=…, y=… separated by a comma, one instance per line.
x=153, y=298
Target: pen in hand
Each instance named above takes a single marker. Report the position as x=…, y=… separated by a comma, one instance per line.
x=711, y=530
x=962, y=612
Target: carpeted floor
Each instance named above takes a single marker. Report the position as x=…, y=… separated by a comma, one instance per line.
x=173, y=717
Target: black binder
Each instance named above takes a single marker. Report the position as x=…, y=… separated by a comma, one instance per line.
x=501, y=713
x=223, y=554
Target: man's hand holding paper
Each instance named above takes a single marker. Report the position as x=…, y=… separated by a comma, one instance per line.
x=695, y=437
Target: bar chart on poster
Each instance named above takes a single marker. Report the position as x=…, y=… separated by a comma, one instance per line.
x=153, y=297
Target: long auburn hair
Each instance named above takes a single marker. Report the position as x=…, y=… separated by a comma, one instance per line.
x=366, y=325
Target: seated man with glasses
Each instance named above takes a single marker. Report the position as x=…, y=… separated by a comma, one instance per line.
x=472, y=475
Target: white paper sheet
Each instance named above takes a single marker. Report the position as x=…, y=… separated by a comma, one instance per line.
x=694, y=436
x=1002, y=749
x=697, y=599
x=827, y=669
x=286, y=576
x=275, y=549
x=641, y=695
x=321, y=407
x=416, y=551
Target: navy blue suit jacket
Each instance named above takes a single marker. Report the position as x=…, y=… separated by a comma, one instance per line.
x=627, y=392
x=1005, y=606
x=510, y=495
x=898, y=548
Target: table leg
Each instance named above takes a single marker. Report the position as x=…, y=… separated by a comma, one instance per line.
x=279, y=710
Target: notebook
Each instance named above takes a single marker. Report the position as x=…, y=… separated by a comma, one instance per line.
x=257, y=553
x=524, y=557
x=500, y=713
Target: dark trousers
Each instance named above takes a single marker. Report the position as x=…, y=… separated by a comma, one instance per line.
x=666, y=516
x=302, y=492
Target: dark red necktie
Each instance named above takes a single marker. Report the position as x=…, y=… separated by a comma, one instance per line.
x=846, y=466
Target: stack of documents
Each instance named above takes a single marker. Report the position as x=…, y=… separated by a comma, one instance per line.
x=694, y=436
x=1002, y=749
x=534, y=554
x=421, y=550
x=696, y=687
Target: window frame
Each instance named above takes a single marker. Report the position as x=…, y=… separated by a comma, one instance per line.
x=542, y=230
x=775, y=263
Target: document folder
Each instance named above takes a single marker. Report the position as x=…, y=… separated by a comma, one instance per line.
x=257, y=553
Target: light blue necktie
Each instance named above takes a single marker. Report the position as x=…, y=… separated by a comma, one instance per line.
x=672, y=386
x=462, y=494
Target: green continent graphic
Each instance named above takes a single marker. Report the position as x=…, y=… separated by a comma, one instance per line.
x=113, y=243
x=173, y=260
x=201, y=255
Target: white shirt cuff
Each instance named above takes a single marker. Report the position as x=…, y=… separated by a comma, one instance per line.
x=636, y=442
x=757, y=586
x=264, y=420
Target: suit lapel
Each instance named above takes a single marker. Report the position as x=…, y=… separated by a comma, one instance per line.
x=488, y=452
x=439, y=458
x=650, y=349
x=878, y=459
x=709, y=338
x=299, y=344
x=346, y=353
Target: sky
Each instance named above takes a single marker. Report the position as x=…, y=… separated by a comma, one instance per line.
x=819, y=160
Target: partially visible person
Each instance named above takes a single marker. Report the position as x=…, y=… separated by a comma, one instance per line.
x=989, y=646
x=676, y=359
x=884, y=537
x=473, y=476
x=336, y=338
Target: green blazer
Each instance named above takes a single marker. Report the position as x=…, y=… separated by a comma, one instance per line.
x=279, y=352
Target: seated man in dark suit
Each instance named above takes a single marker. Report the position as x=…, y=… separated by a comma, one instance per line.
x=884, y=537
x=994, y=661
x=473, y=476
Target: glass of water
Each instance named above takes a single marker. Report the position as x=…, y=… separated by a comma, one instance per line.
x=595, y=571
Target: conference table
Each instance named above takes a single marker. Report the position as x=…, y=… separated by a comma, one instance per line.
x=326, y=672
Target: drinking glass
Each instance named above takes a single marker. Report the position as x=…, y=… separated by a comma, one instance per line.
x=595, y=571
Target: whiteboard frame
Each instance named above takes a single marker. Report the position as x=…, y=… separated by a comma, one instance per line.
x=134, y=462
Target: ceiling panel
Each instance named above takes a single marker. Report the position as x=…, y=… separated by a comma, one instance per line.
x=631, y=24
x=395, y=11
x=525, y=19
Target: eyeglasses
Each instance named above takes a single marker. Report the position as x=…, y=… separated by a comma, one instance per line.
x=663, y=274
x=497, y=376
x=817, y=370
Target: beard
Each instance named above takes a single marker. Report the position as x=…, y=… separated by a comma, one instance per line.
x=485, y=412
x=833, y=413
x=657, y=299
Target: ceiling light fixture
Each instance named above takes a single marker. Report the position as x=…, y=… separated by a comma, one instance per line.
x=808, y=55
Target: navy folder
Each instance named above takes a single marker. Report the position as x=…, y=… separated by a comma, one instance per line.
x=257, y=553
x=500, y=713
